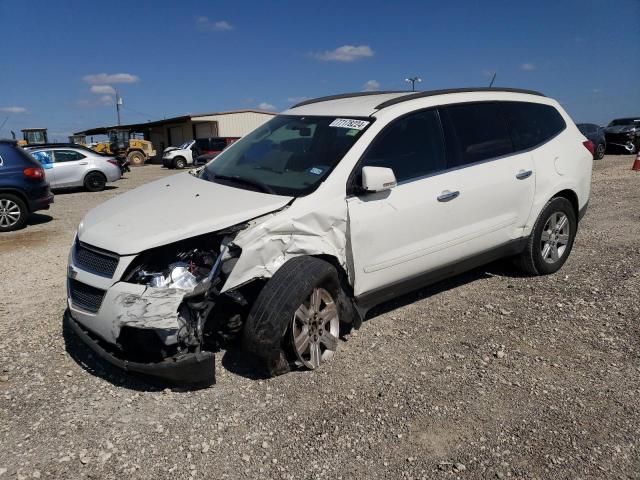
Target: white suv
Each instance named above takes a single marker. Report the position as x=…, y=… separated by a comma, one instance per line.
x=338, y=204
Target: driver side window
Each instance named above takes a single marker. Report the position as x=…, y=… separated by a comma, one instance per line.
x=412, y=146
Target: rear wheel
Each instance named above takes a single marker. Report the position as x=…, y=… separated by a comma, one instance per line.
x=600, y=150
x=295, y=320
x=95, y=182
x=13, y=212
x=551, y=239
x=136, y=158
x=179, y=163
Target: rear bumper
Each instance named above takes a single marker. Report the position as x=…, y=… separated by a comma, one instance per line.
x=41, y=203
x=195, y=370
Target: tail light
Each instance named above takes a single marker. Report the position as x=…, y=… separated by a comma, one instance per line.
x=588, y=144
x=113, y=161
x=34, y=173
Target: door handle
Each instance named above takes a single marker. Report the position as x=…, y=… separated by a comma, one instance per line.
x=522, y=174
x=447, y=196
x=83, y=163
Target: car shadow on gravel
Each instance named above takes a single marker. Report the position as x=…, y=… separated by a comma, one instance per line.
x=66, y=191
x=499, y=268
x=38, y=219
x=94, y=365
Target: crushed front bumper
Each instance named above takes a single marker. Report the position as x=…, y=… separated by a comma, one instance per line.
x=194, y=370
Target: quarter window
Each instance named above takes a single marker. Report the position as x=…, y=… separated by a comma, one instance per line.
x=44, y=157
x=411, y=146
x=475, y=132
x=67, y=156
x=532, y=123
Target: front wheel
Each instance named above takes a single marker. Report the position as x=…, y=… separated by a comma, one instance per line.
x=551, y=239
x=600, y=150
x=295, y=321
x=136, y=158
x=180, y=163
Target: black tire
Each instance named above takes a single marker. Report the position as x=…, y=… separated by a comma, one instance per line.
x=531, y=260
x=600, y=151
x=136, y=158
x=268, y=327
x=95, y=182
x=179, y=162
x=10, y=206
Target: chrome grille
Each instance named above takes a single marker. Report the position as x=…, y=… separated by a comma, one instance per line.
x=85, y=296
x=95, y=261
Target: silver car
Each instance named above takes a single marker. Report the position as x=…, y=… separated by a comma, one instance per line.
x=66, y=167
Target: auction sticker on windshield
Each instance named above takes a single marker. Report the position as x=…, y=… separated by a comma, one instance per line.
x=349, y=123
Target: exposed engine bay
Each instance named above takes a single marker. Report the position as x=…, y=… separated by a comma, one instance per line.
x=182, y=310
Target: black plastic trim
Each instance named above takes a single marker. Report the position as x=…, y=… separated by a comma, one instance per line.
x=194, y=369
x=433, y=93
x=583, y=211
x=381, y=295
x=345, y=95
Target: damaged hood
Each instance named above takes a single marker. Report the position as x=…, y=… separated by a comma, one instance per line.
x=171, y=209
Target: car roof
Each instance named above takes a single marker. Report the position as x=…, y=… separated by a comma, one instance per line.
x=66, y=146
x=365, y=104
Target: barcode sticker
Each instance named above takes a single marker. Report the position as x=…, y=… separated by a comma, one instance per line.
x=349, y=123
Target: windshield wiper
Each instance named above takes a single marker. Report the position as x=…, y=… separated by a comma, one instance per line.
x=246, y=181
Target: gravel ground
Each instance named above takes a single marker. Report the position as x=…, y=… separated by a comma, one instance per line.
x=487, y=375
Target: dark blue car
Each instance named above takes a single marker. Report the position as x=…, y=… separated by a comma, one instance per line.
x=23, y=188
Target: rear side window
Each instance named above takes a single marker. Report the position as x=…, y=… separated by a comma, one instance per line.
x=45, y=157
x=67, y=156
x=532, y=123
x=475, y=132
x=412, y=146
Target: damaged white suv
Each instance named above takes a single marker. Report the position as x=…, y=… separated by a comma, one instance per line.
x=289, y=236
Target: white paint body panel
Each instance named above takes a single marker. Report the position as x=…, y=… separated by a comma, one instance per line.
x=378, y=238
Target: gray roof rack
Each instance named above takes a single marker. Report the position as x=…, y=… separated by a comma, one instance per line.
x=431, y=93
x=344, y=95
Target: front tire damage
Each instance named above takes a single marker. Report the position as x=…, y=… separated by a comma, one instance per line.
x=270, y=331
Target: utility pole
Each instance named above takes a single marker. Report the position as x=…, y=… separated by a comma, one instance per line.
x=493, y=79
x=118, y=103
x=412, y=81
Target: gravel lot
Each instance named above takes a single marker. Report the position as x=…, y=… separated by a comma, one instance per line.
x=487, y=375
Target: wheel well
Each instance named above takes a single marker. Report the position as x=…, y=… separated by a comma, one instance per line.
x=19, y=194
x=572, y=197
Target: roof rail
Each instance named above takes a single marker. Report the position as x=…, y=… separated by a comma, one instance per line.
x=431, y=93
x=344, y=95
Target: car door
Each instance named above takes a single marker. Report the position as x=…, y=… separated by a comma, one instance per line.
x=69, y=167
x=45, y=158
x=446, y=207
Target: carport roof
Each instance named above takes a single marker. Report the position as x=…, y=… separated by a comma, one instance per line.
x=156, y=123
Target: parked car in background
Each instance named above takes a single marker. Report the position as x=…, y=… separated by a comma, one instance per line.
x=71, y=165
x=624, y=133
x=23, y=186
x=340, y=203
x=595, y=133
x=194, y=152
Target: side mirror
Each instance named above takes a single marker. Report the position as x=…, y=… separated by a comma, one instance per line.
x=378, y=179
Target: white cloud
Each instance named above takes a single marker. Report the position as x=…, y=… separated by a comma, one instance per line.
x=527, y=67
x=296, y=99
x=371, y=86
x=13, y=109
x=106, y=78
x=206, y=25
x=103, y=101
x=266, y=106
x=108, y=89
x=346, y=53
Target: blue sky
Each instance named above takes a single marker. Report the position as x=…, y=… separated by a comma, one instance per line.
x=62, y=60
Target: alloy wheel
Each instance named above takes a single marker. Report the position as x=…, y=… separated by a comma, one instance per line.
x=315, y=329
x=555, y=237
x=9, y=213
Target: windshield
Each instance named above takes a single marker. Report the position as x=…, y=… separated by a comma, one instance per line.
x=289, y=155
x=624, y=121
x=185, y=145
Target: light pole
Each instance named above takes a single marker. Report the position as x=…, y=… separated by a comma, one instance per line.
x=118, y=103
x=412, y=81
